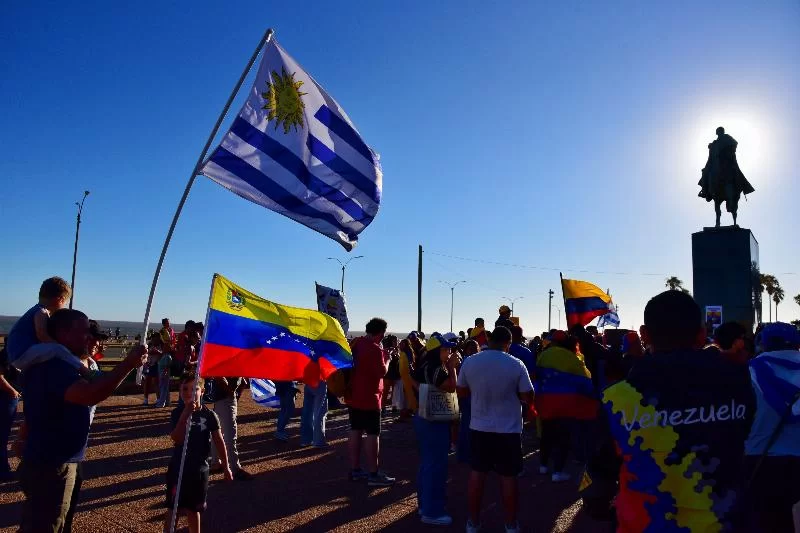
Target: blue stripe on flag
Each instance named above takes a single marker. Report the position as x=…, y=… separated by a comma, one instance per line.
x=345, y=131
x=264, y=392
x=288, y=160
x=263, y=183
x=343, y=168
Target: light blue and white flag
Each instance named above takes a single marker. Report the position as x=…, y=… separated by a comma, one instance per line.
x=292, y=149
x=263, y=391
x=609, y=319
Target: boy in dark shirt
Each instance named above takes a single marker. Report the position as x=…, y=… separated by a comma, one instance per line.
x=194, y=482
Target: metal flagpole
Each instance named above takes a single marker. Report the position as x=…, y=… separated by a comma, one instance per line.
x=194, y=394
x=264, y=40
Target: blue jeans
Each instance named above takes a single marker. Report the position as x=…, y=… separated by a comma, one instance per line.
x=312, y=418
x=433, y=440
x=286, y=392
x=8, y=411
x=163, y=391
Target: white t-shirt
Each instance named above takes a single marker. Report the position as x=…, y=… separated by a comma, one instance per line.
x=495, y=379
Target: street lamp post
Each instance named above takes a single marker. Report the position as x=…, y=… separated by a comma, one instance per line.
x=452, y=297
x=344, y=266
x=75, y=252
x=559, y=315
x=512, y=300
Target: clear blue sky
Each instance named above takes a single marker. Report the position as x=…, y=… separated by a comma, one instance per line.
x=560, y=137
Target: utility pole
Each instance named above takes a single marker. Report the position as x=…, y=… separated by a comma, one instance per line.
x=452, y=297
x=75, y=253
x=344, y=266
x=419, y=290
x=550, y=309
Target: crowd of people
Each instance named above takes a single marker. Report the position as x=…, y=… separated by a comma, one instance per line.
x=670, y=430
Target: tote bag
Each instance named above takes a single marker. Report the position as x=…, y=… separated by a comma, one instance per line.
x=436, y=405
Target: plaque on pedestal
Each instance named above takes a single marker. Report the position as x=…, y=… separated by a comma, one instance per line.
x=726, y=273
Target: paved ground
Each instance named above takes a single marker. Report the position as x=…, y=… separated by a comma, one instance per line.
x=296, y=489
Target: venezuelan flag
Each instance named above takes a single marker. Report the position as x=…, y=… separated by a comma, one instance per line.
x=583, y=301
x=249, y=336
x=564, y=386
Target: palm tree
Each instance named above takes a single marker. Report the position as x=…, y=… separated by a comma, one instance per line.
x=674, y=283
x=797, y=299
x=777, y=297
x=768, y=283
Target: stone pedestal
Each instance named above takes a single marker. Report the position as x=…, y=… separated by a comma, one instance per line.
x=725, y=270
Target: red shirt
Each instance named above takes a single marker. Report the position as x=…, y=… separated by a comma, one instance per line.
x=369, y=367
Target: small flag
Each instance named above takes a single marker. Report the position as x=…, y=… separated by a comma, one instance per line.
x=292, y=149
x=583, y=301
x=611, y=318
x=331, y=302
x=251, y=337
x=264, y=393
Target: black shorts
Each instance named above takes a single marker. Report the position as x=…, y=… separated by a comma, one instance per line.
x=368, y=421
x=194, y=489
x=501, y=452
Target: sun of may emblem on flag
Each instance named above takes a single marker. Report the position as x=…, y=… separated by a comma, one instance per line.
x=235, y=299
x=284, y=100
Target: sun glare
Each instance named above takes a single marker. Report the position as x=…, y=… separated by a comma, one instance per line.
x=756, y=139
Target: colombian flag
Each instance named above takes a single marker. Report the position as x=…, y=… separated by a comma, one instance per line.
x=248, y=336
x=564, y=386
x=583, y=301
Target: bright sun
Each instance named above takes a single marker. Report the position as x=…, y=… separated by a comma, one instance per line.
x=284, y=101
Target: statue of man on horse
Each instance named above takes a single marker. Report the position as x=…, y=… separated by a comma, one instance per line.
x=722, y=180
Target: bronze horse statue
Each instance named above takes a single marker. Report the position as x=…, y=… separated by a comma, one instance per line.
x=722, y=180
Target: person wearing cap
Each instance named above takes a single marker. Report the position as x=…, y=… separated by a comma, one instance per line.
x=437, y=368
x=775, y=434
x=497, y=383
x=96, y=339
x=504, y=319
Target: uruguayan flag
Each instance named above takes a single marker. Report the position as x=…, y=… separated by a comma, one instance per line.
x=292, y=149
x=609, y=319
x=263, y=391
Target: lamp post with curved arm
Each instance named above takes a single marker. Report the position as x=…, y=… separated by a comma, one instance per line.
x=75, y=253
x=452, y=293
x=344, y=266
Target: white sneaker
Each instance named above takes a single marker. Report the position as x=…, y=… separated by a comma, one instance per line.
x=472, y=528
x=558, y=477
x=543, y=470
x=444, y=520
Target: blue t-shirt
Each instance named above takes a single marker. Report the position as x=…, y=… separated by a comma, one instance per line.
x=23, y=334
x=57, y=430
x=524, y=355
